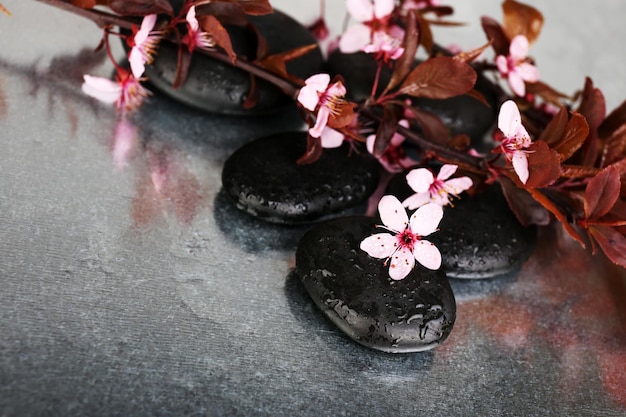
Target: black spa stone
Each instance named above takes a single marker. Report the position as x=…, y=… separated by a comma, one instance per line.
x=217, y=87
x=263, y=179
x=461, y=114
x=355, y=292
x=479, y=236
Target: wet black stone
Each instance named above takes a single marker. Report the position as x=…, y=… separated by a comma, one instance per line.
x=461, y=114
x=479, y=237
x=263, y=179
x=355, y=292
x=217, y=87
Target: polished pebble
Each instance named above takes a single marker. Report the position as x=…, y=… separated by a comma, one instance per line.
x=355, y=292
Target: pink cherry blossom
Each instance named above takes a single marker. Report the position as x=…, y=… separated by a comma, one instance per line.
x=419, y=4
x=127, y=93
x=405, y=244
x=373, y=17
x=515, y=68
x=145, y=42
x=195, y=36
x=318, y=93
x=516, y=139
x=429, y=189
x=385, y=47
x=394, y=159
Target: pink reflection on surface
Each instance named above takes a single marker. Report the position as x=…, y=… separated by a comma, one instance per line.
x=565, y=300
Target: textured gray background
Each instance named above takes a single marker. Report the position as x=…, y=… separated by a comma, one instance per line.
x=133, y=288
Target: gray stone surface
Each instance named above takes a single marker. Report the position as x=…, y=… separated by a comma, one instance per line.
x=122, y=294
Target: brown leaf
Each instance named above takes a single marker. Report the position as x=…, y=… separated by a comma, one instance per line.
x=496, y=35
x=475, y=94
x=226, y=12
x=521, y=19
x=182, y=67
x=560, y=216
x=214, y=28
x=432, y=127
x=313, y=151
x=615, y=147
x=459, y=142
x=593, y=107
x=440, y=77
x=344, y=116
x=386, y=129
x=84, y=4
x=612, y=243
x=527, y=210
x=469, y=56
x=141, y=7
x=277, y=63
x=543, y=165
x=614, y=121
x=555, y=128
x=410, y=44
x=426, y=35
x=546, y=92
x=256, y=7
x=601, y=193
x=577, y=171
x=573, y=137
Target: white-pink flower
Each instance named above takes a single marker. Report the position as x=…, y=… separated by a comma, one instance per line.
x=127, y=92
x=439, y=190
x=515, y=68
x=419, y=4
x=318, y=93
x=196, y=37
x=372, y=17
x=145, y=42
x=394, y=159
x=516, y=138
x=385, y=47
x=405, y=244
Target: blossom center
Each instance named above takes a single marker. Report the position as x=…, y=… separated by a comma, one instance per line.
x=407, y=239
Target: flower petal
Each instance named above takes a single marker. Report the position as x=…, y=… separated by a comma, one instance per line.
x=147, y=24
x=519, y=47
x=392, y=213
x=331, y=138
x=456, y=186
x=427, y=254
x=420, y=179
x=380, y=245
x=308, y=97
x=503, y=64
x=520, y=165
x=137, y=62
x=528, y=72
x=517, y=83
x=336, y=90
x=416, y=200
x=402, y=262
x=446, y=171
x=319, y=82
x=103, y=89
x=509, y=118
x=191, y=19
x=360, y=10
x=354, y=39
x=426, y=219
x=383, y=8
x=320, y=122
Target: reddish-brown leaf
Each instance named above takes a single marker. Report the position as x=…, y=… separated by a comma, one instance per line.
x=473, y=93
x=256, y=7
x=227, y=13
x=601, y=193
x=615, y=147
x=560, y=216
x=543, y=165
x=577, y=171
x=277, y=63
x=612, y=243
x=496, y=35
x=469, y=56
x=527, y=210
x=439, y=77
x=546, y=92
x=614, y=121
x=410, y=44
x=252, y=98
x=182, y=67
x=313, y=151
x=459, y=142
x=439, y=11
x=555, y=128
x=344, y=115
x=573, y=137
x=386, y=129
x=521, y=19
x=84, y=4
x=141, y=7
x=426, y=35
x=432, y=126
x=593, y=107
x=214, y=28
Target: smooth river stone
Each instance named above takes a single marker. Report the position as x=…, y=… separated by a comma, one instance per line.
x=355, y=292
x=479, y=236
x=461, y=114
x=264, y=180
x=217, y=87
